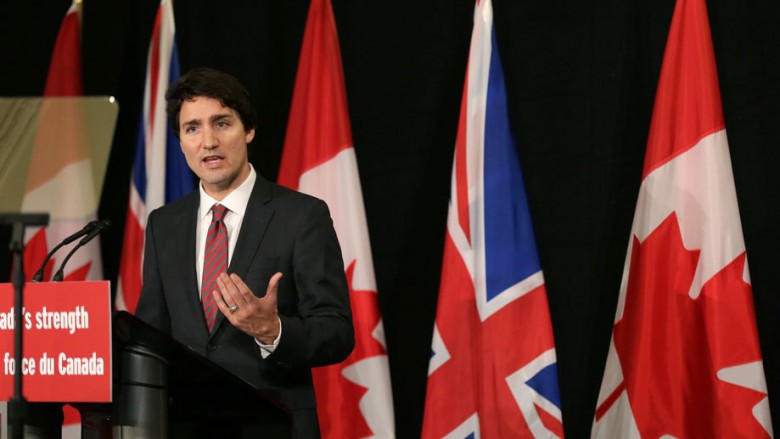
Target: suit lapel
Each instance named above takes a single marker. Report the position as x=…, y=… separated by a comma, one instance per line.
x=184, y=238
x=253, y=227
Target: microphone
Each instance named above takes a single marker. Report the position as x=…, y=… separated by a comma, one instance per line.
x=99, y=227
x=86, y=229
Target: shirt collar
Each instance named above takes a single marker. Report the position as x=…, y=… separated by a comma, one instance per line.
x=236, y=201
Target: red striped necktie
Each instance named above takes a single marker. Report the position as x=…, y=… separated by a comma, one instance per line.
x=215, y=261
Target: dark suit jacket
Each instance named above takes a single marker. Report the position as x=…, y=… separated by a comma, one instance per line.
x=282, y=231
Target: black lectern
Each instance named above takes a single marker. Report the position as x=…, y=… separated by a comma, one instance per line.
x=163, y=389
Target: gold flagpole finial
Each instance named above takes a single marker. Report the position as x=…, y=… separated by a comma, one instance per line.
x=79, y=13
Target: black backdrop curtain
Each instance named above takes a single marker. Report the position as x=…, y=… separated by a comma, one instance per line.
x=581, y=78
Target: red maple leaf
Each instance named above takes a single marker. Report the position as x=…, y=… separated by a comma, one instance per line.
x=338, y=398
x=34, y=252
x=671, y=346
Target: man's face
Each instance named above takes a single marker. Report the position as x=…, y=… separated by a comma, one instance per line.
x=213, y=141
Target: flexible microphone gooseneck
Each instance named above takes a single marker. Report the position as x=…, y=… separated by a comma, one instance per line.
x=96, y=230
x=86, y=229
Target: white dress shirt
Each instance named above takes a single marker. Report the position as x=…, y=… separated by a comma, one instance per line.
x=236, y=203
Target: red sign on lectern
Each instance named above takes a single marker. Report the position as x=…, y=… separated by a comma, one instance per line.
x=67, y=341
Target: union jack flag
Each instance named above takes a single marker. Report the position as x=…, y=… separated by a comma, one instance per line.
x=160, y=173
x=492, y=371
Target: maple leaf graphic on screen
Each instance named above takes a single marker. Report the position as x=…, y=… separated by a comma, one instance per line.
x=674, y=349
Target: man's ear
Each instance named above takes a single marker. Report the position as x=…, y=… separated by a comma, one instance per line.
x=249, y=135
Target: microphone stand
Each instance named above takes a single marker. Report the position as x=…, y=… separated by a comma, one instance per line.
x=18, y=405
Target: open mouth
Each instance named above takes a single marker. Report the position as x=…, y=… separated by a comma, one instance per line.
x=212, y=160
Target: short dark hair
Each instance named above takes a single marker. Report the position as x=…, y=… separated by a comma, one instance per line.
x=213, y=84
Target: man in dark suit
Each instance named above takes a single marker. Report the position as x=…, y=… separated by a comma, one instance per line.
x=282, y=304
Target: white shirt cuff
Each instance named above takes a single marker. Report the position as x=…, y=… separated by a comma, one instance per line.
x=268, y=349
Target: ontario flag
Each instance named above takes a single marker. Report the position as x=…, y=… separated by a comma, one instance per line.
x=493, y=369
x=684, y=360
x=354, y=399
x=160, y=173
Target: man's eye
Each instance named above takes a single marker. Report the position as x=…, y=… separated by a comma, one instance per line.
x=190, y=129
x=223, y=124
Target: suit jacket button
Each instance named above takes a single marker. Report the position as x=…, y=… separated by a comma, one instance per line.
x=211, y=347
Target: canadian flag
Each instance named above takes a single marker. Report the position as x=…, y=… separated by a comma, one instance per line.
x=354, y=398
x=61, y=181
x=684, y=360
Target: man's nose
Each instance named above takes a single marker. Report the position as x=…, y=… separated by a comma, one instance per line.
x=210, y=138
